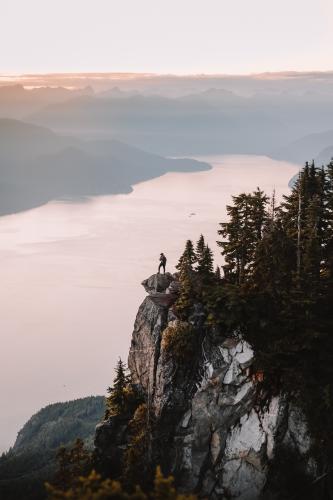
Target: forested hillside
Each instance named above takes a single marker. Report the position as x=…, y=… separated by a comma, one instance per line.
x=32, y=460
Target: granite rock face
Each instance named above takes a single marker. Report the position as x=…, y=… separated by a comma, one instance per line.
x=211, y=433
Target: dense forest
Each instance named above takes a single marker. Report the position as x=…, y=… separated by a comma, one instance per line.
x=276, y=289
x=32, y=460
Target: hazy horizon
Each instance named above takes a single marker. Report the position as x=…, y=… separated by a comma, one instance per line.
x=159, y=37
x=56, y=78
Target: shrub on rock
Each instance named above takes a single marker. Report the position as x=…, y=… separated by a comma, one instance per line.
x=179, y=340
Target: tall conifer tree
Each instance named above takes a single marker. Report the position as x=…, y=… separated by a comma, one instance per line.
x=247, y=218
x=200, y=250
x=188, y=257
x=116, y=401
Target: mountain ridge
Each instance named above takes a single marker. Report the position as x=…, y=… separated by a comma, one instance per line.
x=50, y=166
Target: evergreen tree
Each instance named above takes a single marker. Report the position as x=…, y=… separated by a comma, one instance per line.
x=218, y=272
x=117, y=400
x=329, y=197
x=205, y=259
x=185, y=298
x=328, y=240
x=200, y=250
x=305, y=217
x=312, y=248
x=136, y=459
x=272, y=210
x=186, y=274
x=291, y=209
x=247, y=217
x=259, y=215
x=273, y=263
x=72, y=463
x=164, y=488
x=234, y=247
x=188, y=258
x=94, y=487
x=206, y=264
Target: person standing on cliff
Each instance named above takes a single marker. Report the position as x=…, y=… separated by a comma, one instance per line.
x=163, y=261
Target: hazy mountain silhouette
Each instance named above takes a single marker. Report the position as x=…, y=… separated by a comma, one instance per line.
x=198, y=125
x=312, y=146
x=263, y=114
x=287, y=82
x=325, y=156
x=17, y=101
x=213, y=121
x=37, y=166
x=116, y=92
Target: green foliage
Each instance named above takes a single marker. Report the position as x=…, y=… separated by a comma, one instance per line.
x=247, y=218
x=186, y=296
x=200, y=249
x=72, y=462
x=180, y=341
x=75, y=479
x=22, y=475
x=306, y=216
x=93, y=487
x=279, y=293
x=32, y=461
x=188, y=257
x=192, y=280
x=273, y=263
x=205, y=260
x=206, y=265
x=136, y=460
x=60, y=423
x=122, y=398
x=164, y=489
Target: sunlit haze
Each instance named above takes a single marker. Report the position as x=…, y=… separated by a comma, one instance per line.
x=187, y=36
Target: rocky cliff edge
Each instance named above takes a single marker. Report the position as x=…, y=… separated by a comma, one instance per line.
x=210, y=430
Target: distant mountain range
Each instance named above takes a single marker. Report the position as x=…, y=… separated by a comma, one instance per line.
x=79, y=142
x=207, y=123
x=291, y=82
x=32, y=460
x=214, y=121
x=266, y=114
x=38, y=165
x=16, y=101
x=318, y=147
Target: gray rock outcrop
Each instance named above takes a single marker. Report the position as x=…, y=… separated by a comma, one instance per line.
x=211, y=432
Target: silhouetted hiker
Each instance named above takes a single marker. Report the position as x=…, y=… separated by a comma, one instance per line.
x=162, y=262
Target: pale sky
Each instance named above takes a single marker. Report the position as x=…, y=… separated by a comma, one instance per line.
x=165, y=36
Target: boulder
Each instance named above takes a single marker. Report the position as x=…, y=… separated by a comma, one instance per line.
x=157, y=282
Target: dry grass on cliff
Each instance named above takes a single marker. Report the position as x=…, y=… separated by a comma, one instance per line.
x=179, y=340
